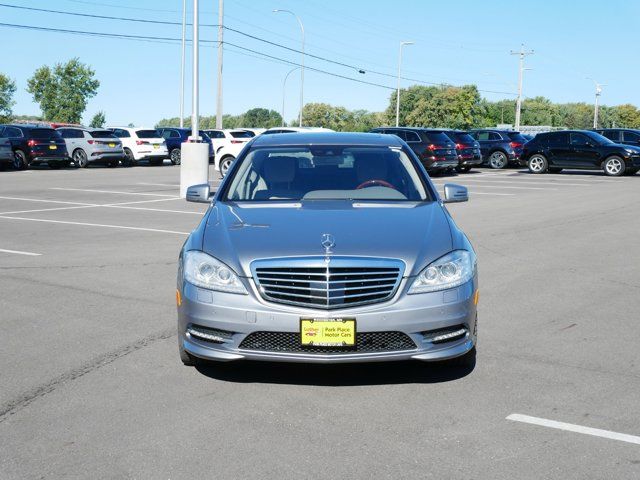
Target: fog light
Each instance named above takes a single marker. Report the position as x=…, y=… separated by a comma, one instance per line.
x=445, y=335
x=209, y=334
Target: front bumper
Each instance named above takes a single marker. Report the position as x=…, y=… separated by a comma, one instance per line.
x=409, y=314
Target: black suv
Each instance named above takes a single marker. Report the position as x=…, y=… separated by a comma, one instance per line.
x=33, y=145
x=499, y=147
x=627, y=136
x=468, y=150
x=434, y=148
x=580, y=149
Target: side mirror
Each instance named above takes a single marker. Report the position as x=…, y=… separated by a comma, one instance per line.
x=199, y=193
x=455, y=193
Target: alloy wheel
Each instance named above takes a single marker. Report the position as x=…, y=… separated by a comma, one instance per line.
x=226, y=163
x=536, y=164
x=613, y=167
x=498, y=160
x=19, y=160
x=175, y=156
x=80, y=158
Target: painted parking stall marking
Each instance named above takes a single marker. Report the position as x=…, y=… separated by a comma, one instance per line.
x=18, y=252
x=570, y=427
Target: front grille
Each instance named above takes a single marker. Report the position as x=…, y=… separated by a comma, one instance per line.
x=327, y=282
x=289, y=342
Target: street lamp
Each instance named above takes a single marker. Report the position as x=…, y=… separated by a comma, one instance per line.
x=284, y=84
x=301, y=63
x=402, y=44
x=598, y=93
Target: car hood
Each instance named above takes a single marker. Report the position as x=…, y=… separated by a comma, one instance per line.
x=238, y=234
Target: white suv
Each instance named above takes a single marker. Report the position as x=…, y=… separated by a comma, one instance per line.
x=141, y=144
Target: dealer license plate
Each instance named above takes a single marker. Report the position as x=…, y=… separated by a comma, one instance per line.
x=53, y=147
x=328, y=332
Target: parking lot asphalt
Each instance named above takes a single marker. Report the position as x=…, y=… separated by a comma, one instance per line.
x=92, y=387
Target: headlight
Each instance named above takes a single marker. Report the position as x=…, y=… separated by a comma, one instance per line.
x=205, y=271
x=450, y=271
x=631, y=151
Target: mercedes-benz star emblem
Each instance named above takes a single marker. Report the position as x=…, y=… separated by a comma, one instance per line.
x=328, y=242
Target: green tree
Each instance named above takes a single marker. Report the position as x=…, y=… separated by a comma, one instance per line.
x=261, y=118
x=7, y=89
x=538, y=111
x=63, y=91
x=98, y=120
x=627, y=116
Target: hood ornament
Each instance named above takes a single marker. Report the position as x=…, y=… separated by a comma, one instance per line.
x=328, y=242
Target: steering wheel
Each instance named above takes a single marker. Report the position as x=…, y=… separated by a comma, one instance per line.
x=371, y=183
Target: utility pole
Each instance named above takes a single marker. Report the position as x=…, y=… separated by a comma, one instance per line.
x=402, y=44
x=184, y=32
x=220, y=54
x=596, y=110
x=522, y=53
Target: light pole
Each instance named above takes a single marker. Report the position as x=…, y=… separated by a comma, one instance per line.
x=597, y=104
x=194, y=156
x=301, y=63
x=184, y=32
x=220, y=54
x=402, y=44
x=284, y=84
x=522, y=53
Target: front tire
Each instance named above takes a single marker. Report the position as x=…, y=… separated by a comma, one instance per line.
x=175, y=156
x=498, y=160
x=80, y=158
x=614, y=166
x=186, y=358
x=20, y=160
x=466, y=361
x=538, y=164
x=128, y=160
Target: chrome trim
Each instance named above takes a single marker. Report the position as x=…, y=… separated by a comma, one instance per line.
x=325, y=284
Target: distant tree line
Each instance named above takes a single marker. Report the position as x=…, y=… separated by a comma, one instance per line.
x=62, y=91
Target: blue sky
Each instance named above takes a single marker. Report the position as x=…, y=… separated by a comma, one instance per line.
x=455, y=42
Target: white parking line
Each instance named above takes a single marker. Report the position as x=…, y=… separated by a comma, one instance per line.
x=176, y=185
x=48, y=209
x=570, y=427
x=122, y=227
x=48, y=201
x=113, y=191
x=18, y=252
x=504, y=186
x=495, y=181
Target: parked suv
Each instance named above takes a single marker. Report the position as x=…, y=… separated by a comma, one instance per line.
x=468, y=150
x=141, y=144
x=174, y=137
x=222, y=138
x=92, y=145
x=6, y=154
x=499, y=148
x=434, y=148
x=627, y=136
x=34, y=145
x=580, y=149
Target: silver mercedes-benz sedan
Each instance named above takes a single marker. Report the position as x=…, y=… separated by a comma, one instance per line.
x=327, y=247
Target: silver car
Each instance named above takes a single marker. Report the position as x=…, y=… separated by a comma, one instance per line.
x=327, y=247
x=92, y=145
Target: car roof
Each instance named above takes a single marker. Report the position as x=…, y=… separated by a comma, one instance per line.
x=25, y=125
x=327, y=138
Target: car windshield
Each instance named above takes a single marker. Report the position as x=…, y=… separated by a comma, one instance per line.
x=438, y=138
x=44, y=133
x=242, y=134
x=102, y=134
x=600, y=139
x=517, y=137
x=148, y=134
x=326, y=173
x=461, y=137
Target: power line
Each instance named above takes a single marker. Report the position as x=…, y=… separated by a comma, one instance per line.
x=253, y=37
x=174, y=40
